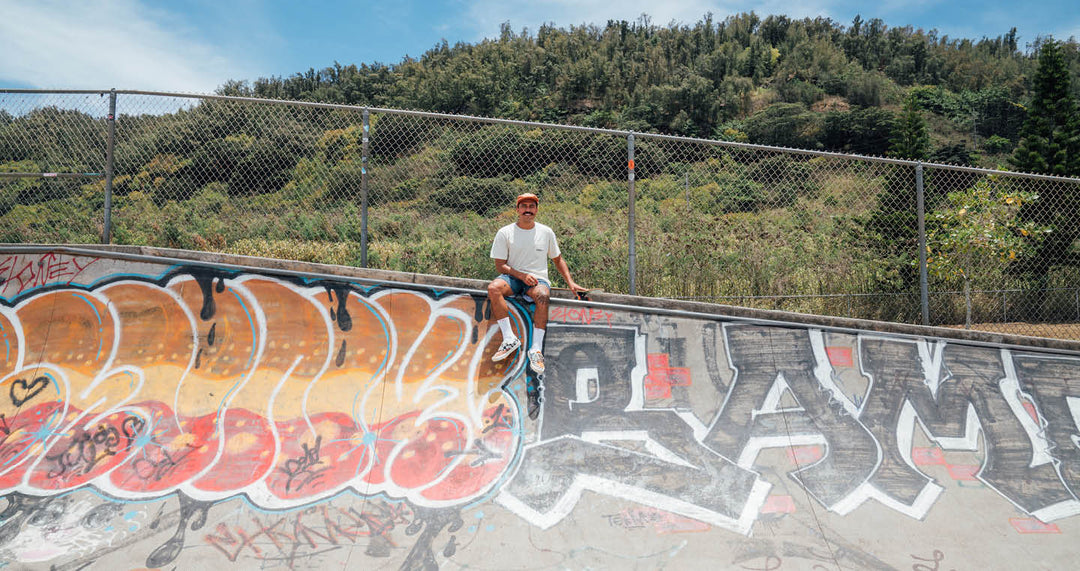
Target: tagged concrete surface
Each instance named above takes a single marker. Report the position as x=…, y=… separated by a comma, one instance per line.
x=169, y=414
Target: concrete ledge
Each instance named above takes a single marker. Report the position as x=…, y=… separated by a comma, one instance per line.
x=629, y=301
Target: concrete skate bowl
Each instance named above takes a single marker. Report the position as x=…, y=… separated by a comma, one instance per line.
x=180, y=409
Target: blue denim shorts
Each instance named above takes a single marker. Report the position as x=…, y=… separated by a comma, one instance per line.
x=519, y=286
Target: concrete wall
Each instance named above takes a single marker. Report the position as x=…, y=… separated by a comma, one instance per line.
x=166, y=413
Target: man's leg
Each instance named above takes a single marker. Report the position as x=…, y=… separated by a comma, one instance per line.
x=541, y=295
x=498, y=290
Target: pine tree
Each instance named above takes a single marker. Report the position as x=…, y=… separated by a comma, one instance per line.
x=1050, y=138
x=1050, y=144
x=911, y=140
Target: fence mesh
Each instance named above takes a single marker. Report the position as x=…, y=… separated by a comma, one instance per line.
x=764, y=227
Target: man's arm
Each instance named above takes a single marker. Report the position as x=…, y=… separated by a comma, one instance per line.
x=504, y=268
x=564, y=271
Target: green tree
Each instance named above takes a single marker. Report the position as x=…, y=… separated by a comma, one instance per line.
x=1050, y=144
x=1050, y=138
x=911, y=140
x=863, y=131
x=978, y=232
x=785, y=125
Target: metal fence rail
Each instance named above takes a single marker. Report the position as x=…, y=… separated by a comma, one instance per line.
x=635, y=212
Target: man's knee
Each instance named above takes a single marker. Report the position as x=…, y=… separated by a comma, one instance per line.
x=495, y=288
x=540, y=295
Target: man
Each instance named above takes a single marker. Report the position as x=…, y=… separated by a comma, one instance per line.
x=521, y=251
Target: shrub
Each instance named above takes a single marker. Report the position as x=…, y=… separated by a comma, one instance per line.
x=479, y=195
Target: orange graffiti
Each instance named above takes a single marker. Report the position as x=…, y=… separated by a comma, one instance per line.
x=287, y=393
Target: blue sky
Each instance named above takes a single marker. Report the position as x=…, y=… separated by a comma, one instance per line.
x=193, y=46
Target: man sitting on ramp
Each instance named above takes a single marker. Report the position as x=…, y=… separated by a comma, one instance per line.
x=521, y=251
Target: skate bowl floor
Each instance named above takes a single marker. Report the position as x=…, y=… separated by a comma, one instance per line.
x=168, y=409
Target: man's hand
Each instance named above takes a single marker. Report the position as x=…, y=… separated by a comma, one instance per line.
x=574, y=287
x=530, y=280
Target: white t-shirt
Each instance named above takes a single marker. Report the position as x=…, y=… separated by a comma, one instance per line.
x=526, y=250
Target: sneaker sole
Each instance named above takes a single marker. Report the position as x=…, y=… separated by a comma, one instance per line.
x=538, y=370
x=496, y=357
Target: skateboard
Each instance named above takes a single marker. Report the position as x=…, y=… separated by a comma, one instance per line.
x=581, y=295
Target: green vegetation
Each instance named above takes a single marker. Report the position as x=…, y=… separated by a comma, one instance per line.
x=1050, y=144
x=978, y=233
x=777, y=79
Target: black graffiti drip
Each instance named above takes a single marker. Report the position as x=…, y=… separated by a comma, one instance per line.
x=481, y=313
x=341, y=313
x=432, y=521
x=206, y=284
x=192, y=511
x=340, y=360
x=212, y=335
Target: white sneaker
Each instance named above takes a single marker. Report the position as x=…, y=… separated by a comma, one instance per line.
x=536, y=361
x=506, y=349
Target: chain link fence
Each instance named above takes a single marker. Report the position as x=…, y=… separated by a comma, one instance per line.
x=654, y=215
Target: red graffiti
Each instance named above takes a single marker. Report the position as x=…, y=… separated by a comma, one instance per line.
x=662, y=377
x=582, y=315
x=23, y=272
x=840, y=356
x=1032, y=525
x=924, y=456
x=661, y=521
x=805, y=455
x=964, y=472
x=306, y=532
x=782, y=504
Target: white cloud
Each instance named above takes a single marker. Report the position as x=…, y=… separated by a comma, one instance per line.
x=100, y=44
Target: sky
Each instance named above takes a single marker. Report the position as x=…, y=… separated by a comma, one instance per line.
x=195, y=46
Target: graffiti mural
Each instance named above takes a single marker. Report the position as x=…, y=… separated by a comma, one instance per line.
x=160, y=415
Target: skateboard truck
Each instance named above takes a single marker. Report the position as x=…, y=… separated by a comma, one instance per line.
x=584, y=295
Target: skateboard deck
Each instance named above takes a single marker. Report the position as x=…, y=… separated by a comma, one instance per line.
x=581, y=295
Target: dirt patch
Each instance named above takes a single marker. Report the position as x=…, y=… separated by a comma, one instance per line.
x=1051, y=330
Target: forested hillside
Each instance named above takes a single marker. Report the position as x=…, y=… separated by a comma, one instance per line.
x=807, y=83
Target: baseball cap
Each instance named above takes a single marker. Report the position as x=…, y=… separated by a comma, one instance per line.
x=527, y=196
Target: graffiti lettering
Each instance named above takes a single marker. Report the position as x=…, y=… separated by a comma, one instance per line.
x=582, y=315
x=372, y=414
x=661, y=521
x=681, y=471
x=482, y=453
x=20, y=273
x=156, y=464
x=307, y=533
x=190, y=334
x=300, y=470
x=934, y=560
x=83, y=451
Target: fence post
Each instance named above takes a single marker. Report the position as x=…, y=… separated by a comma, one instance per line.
x=920, y=205
x=630, y=176
x=110, y=147
x=365, y=128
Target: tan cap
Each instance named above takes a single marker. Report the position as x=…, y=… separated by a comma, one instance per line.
x=528, y=196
